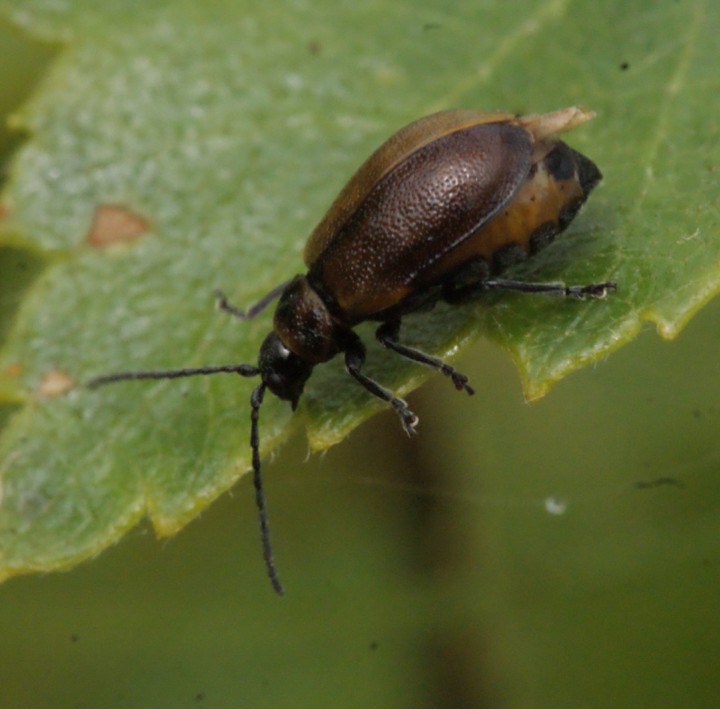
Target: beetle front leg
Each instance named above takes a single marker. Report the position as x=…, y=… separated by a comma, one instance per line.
x=255, y=309
x=354, y=360
x=387, y=335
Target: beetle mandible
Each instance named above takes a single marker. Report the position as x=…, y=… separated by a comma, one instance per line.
x=436, y=213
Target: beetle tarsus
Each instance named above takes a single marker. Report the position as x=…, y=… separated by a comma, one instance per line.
x=592, y=290
x=222, y=303
x=460, y=381
x=408, y=418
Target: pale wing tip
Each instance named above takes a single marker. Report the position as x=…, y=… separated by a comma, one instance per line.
x=547, y=124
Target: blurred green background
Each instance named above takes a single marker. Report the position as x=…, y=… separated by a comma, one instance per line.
x=562, y=554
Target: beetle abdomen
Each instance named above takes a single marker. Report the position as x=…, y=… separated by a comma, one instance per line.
x=423, y=208
x=555, y=189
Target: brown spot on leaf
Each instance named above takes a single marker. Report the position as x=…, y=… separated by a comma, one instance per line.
x=54, y=383
x=115, y=224
x=4, y=211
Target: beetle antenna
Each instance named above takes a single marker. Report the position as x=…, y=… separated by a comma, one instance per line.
x=255, y=402
x=244, y=370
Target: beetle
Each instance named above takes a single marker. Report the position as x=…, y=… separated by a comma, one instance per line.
x=437, y=212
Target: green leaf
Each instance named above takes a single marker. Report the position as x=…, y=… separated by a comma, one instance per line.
x=216, y=134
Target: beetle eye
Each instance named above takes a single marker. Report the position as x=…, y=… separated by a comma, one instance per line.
x=283, y=371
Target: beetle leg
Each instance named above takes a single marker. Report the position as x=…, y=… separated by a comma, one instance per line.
x=354, y=360
x=387, y=335
x=591, y=290
x=254, y=309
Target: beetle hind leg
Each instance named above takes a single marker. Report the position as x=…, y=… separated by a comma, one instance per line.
x=590, y=290
x=465, y=293
x=387, y=335
x=354, y=360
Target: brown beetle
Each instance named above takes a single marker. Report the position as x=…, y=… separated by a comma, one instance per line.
x=436, y=213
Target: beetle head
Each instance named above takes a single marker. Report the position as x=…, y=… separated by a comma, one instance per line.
x=283, y=372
